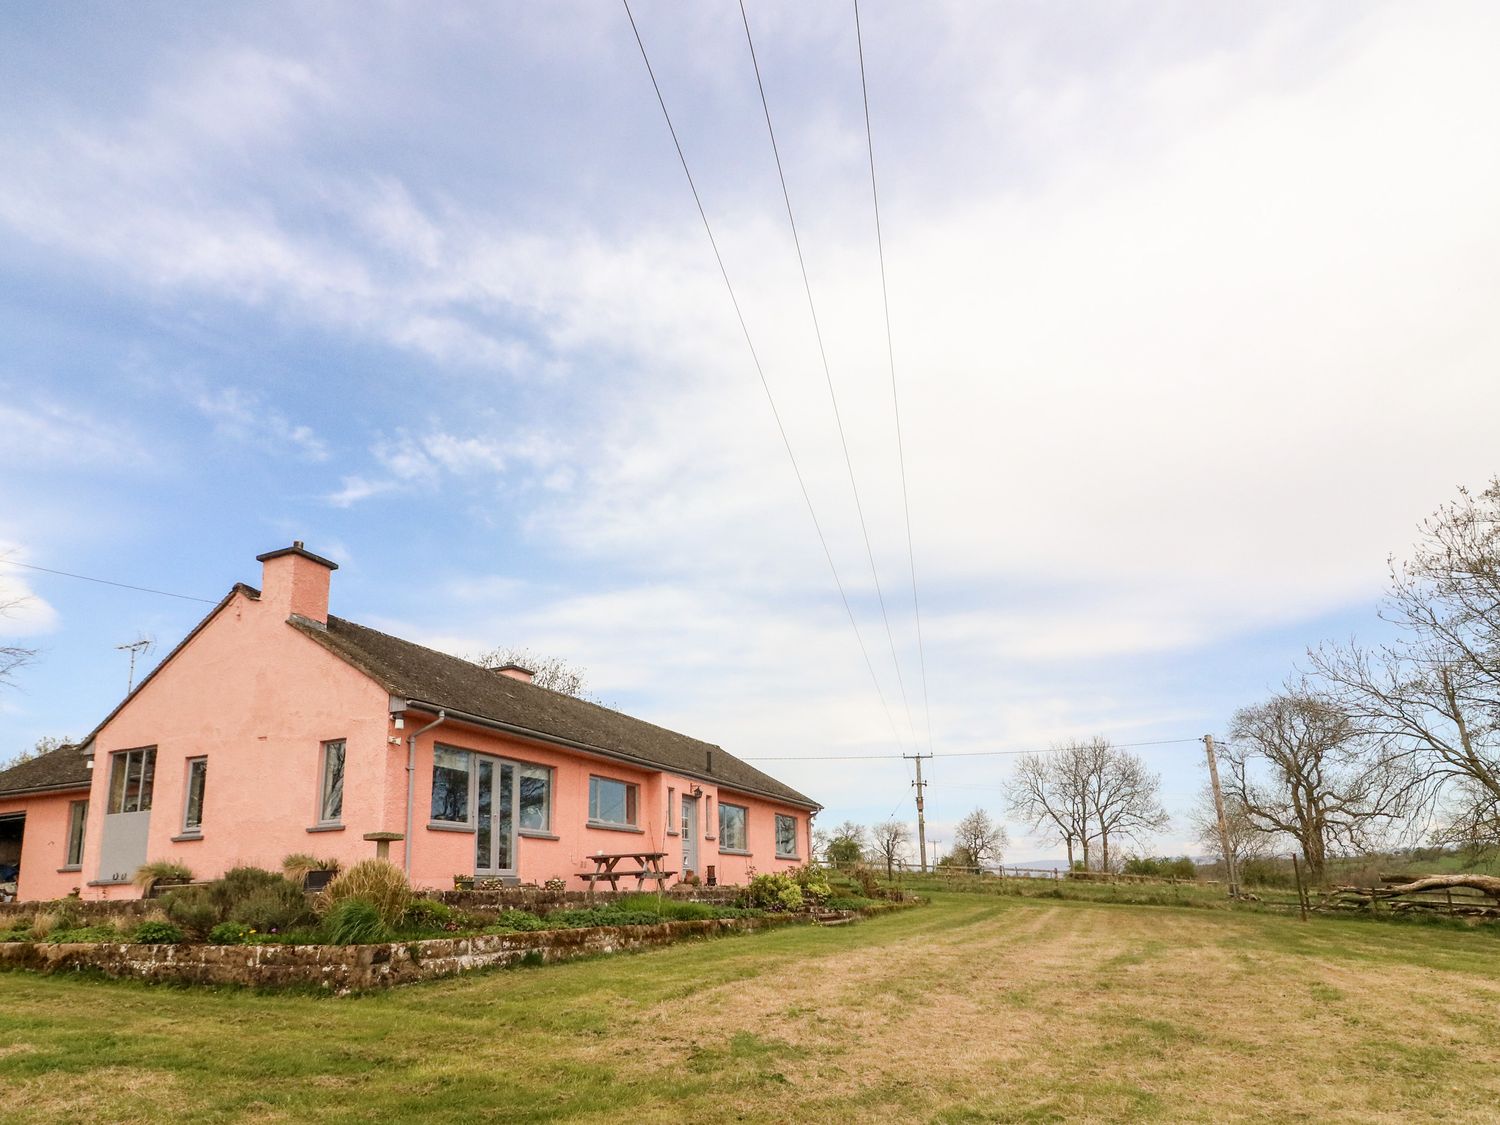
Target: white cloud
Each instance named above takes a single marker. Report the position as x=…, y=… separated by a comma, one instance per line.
x=1191, y=328
x=242, y=416
x=23, y=612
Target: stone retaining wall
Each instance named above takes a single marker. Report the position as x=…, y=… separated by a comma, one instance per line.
x=128, y=911
x=350, y=968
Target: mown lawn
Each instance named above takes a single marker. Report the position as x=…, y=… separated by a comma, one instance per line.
x=975, y=1008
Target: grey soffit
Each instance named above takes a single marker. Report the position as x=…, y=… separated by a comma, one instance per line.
x=60, y=769
x=412, y=671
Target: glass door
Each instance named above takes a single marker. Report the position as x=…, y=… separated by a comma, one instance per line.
x=495, y=804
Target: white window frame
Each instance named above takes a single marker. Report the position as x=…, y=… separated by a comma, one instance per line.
x=632, y=802
x=323, y=779
x=189, y=829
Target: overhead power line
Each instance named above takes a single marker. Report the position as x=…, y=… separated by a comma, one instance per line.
x=890, y=351
x=760, y=371
x=961, y=753
x=827, y=373
x=108, y=582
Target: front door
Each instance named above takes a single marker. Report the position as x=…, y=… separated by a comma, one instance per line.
x=689, y=834
x=495, y=838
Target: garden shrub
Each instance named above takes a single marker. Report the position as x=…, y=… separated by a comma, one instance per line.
x=848, y=902
x=814, y=882
x=257, y=899
x=194, y=910
x=355, y=921
x=600, y=916
x=773, y=891
x=375, y=881
x=230, y=933
x=429, y=914
x=869, y=885
x=516, y=922
x=102, y=932
x=156, y=933
x=271, y=908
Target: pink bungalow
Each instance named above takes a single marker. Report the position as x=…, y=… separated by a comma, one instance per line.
x=276, y=728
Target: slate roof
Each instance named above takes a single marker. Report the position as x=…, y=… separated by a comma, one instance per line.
x=425, y=675
x=63, y=768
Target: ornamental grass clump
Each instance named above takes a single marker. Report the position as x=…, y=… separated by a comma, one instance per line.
x=148, y=875
x=355, y=921
x=299, y=865
x=375, y=881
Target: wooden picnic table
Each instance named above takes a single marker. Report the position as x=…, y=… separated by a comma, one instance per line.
x=607, y=869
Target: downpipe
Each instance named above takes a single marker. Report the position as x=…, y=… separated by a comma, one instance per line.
x=411, y=786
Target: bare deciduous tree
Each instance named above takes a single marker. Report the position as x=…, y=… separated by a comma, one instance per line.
x=1048, y=792
x=13, y=657
x=551, y=672
x=891, y=838
x=1433, y=696
x=980, y=838
x=1299, y=765
x=1246, y=841
x=1122, y=796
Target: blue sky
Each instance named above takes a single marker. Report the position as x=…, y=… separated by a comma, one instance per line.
x=1192, y=311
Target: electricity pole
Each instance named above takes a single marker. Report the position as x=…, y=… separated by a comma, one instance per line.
x=921, y=814
x=1213, y=777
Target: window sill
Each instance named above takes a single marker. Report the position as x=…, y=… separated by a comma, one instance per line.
x=109, y=882
x=439, y=826
x=536, y=834
x=603, y=827
x=186, y=836
x=326, y=828
x=73, y=867
x=670, y=832
x=735, y=851
x=794, y=858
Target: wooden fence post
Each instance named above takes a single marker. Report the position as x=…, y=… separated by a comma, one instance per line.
x=1301, y=898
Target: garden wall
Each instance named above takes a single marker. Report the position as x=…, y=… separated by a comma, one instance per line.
x=348, y=968
x=535, y=899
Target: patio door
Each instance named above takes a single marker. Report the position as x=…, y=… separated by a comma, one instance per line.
x=495, y=803
x=689, y=834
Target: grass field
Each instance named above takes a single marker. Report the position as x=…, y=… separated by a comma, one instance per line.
x=974, y=1008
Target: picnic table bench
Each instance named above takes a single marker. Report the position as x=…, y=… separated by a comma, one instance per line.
x=607, y=869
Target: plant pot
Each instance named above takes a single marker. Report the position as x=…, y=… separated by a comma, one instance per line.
x=162, y=886
x=318, y=880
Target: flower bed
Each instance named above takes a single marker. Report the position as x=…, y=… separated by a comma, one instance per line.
x=349, y=968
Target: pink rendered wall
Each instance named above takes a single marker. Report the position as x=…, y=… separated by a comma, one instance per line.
x=295, y=584
x=440, y=854
x=44, y=844
x=257, y=697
